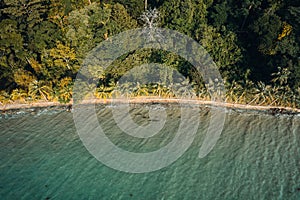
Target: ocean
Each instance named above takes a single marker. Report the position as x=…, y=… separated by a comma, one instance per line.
x=43, y=157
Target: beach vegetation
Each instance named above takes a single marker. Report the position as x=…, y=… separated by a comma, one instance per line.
x=255, y=45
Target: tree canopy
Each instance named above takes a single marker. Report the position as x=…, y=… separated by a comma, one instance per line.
x=255, y=44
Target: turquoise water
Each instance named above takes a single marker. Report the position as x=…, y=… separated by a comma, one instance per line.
x=256, y=157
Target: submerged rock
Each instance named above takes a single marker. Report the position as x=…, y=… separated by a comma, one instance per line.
x=275, y=111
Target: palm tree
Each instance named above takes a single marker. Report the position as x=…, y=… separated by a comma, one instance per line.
x=141, y=90
x=127, y=89
x=263, y=94
x=158, y=90
x=275, y=97
x=281, y=77
x=19, y=95
x=232, y=92
x=203, y=94
x=102, y=93
x=39, y=89
x=64, y=90
x=286, y=95
x=4, y=98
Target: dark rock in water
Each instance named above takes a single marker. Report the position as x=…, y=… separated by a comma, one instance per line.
x=131, y=195
x=47, y=198
x=298, y=189
x=69, y=108
x=275, y=111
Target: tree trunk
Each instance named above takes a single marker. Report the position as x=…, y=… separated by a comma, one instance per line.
x=145, y=5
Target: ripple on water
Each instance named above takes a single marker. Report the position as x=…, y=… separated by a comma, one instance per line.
x=257, y=157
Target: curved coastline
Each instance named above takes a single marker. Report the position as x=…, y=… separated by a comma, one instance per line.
x=151, y=100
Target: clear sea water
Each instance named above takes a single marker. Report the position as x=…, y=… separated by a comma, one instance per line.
x=256, y=157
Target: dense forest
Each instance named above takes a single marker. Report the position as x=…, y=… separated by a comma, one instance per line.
x=255, y=44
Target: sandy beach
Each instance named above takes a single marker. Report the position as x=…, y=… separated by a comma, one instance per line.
x=151, y=100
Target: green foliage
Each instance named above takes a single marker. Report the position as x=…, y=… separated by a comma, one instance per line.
x=95, y=23
x=255, y=44
x=11, y=55
x=134, y=7
x=64, y=90
x=183, y=16
x=220, y=14
x=40, y=90
x=267, y=29
x=227, y=55
x=60, y=61
x=23, y=78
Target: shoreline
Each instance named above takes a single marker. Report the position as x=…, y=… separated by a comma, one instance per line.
x=149, y=100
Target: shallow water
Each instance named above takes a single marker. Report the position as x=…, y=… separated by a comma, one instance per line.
x=256, y=157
